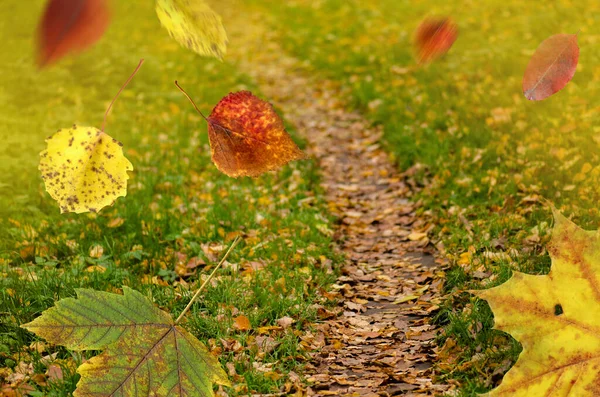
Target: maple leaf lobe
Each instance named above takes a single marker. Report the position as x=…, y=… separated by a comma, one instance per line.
x=556, y=317
x=145, y=353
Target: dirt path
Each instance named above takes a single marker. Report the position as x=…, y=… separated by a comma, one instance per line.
x=382, y=343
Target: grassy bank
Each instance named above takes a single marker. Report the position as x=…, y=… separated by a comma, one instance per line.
x=178, y=217
x=485, y=155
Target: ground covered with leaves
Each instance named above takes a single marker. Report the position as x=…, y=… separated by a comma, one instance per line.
x=179, y=216
x=485, y=156
x=476, y=163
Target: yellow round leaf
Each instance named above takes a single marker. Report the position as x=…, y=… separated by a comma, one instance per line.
x=193, y=24
x=84, y=169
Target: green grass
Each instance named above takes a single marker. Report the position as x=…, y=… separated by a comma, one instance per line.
x=178, y=207
x=486, y=155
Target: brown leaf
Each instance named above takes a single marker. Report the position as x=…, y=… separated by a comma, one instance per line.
x=551, y=67
x=70, y=25
x=242, y=323
x=54, y=373
x=285, y=322
x=434, y=37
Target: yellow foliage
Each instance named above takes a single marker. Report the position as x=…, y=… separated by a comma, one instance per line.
x=194, y=25
x=84, y=169
x=556, y=317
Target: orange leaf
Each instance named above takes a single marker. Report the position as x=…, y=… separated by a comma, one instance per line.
x=434, y=37
x=551, y=67
x=242, y=323
x=247, y=137
x=70, y=25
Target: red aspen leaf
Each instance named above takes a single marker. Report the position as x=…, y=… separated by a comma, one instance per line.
x=247, y=137
x=551, y=67
x=434, y=37
x=70, y=25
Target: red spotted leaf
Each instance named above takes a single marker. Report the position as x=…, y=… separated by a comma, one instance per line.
x=70, y=26
x=433, y=38
x=247, y=137
x=551, y=67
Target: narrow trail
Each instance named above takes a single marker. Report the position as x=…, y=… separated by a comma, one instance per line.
x=382, y=343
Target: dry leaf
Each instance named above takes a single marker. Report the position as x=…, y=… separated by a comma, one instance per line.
x=247, y=137
x=84, y=169
x=194, y=25
x=145, y=353
x=551, y=67
x=242, y=323
x=556, y=317
x=433, y=38
x=70, y=25
x=285, y=322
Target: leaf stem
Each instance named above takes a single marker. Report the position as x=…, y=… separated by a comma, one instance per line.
x=197, y=294
x=191, y=100
x=119, y=93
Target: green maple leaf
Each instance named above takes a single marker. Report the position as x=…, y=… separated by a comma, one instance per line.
x=145, y=352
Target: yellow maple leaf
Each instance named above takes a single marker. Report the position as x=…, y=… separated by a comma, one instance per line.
x=84, y=169
x=194, y=25
x=556, y=317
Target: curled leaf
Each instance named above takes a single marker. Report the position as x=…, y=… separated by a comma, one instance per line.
x=145, y=353
x=551, y=67
x=433, y=38
x=556, y=317
x=84, y=169
x=70, y=25
x=194, y=25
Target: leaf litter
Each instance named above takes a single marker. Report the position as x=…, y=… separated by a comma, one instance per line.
x=379, y=340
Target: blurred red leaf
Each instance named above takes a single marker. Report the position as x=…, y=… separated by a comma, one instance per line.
x=551, y=67
x=70, y=25
x=434, y=37
x=247, y=137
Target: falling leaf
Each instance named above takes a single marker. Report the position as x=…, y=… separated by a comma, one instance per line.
x=247, y=137
x=145, y=353
x=242, y=323
x=434, y=37
x=194, y=25
x=83, y=168
x=551, y=67
x=556, y=317
x=68, y=26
